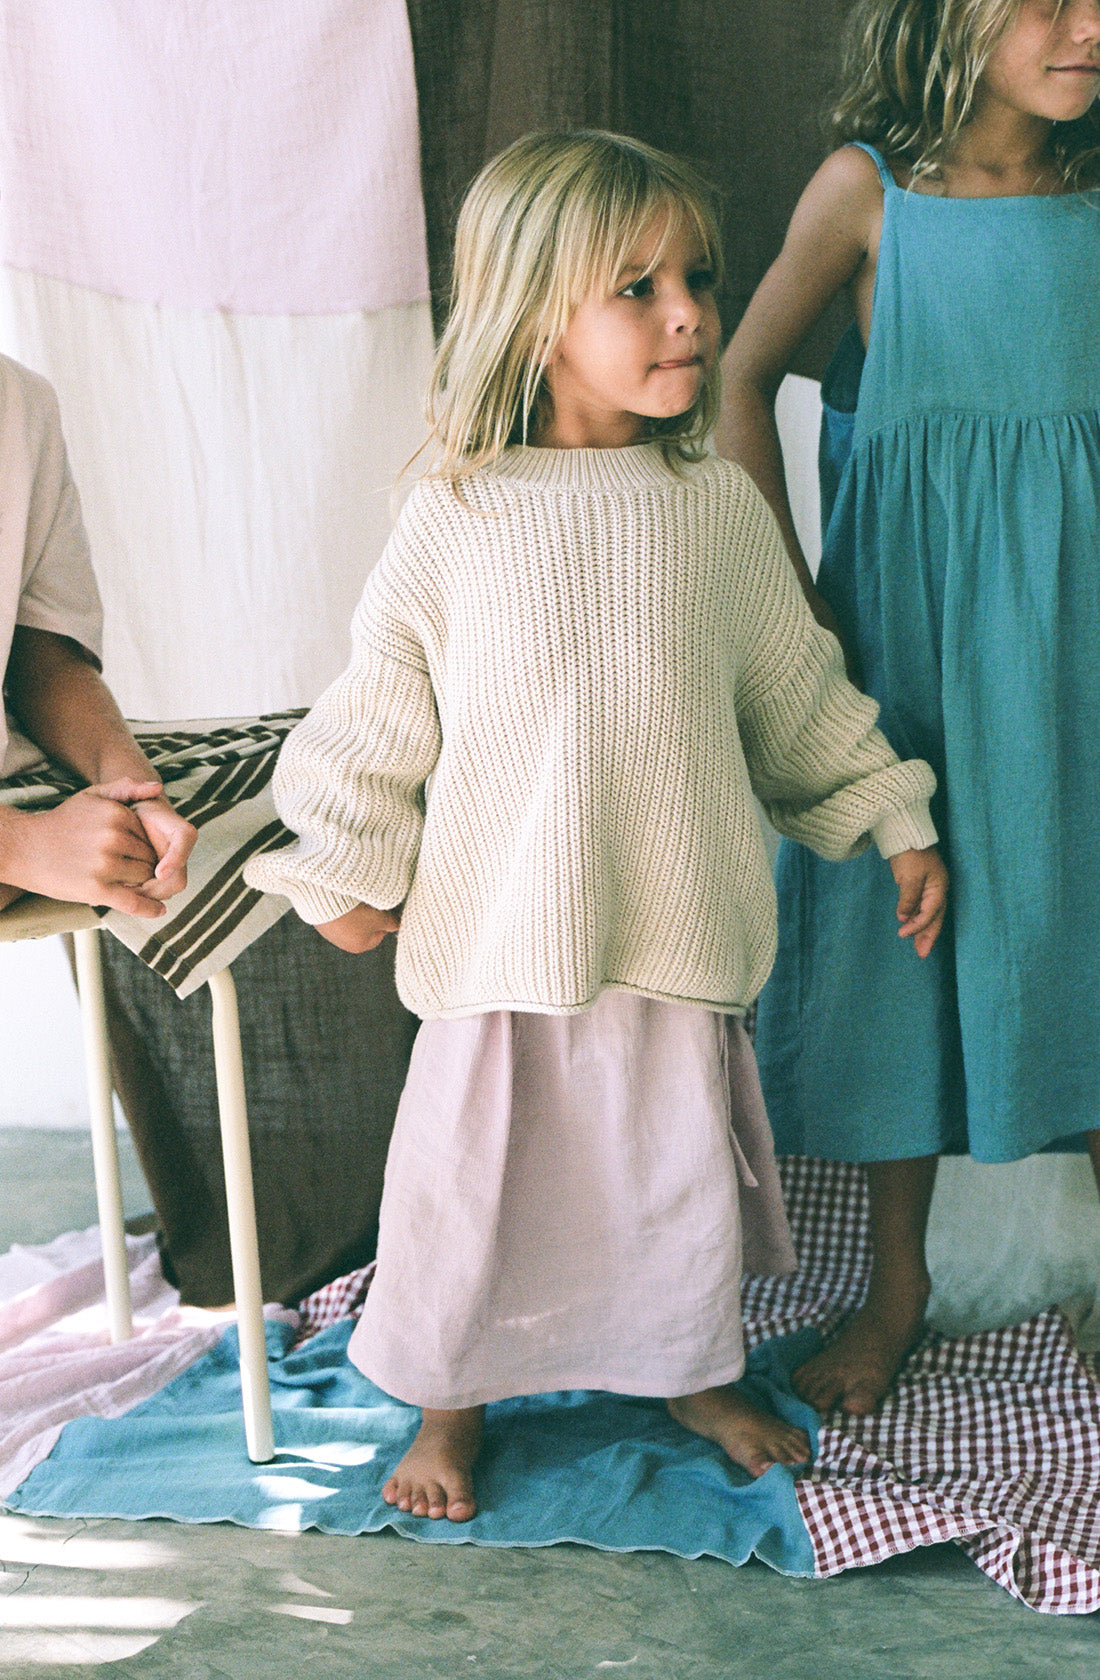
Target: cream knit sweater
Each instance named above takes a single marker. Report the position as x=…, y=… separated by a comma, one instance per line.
x=595, y=659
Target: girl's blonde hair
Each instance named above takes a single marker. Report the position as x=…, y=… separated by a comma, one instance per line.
x=911, y=71
x=549, y=221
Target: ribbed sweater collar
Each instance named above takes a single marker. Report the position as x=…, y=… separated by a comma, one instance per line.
x=636, y=466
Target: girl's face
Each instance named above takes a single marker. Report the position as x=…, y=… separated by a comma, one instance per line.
x=1047, y=63
x=639, y=353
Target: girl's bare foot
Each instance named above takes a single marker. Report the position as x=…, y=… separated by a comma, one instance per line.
x=857, y=1369
x=435, y=1477
x=753, y=1438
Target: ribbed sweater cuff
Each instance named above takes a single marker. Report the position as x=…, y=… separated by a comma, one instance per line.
x=314, y=904
x=911, y=829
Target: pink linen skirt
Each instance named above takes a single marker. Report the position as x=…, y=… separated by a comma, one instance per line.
x=568, y=1203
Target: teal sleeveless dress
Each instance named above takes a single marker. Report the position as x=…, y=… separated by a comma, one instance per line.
x=962, y=560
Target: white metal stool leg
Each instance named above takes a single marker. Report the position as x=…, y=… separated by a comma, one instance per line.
x=93, y=1020
x=32, y=917
x=243, y=1246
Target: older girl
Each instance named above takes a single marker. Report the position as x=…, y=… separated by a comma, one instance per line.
x=961, y=468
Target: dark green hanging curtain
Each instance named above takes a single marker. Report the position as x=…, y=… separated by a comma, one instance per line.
x=741, y=87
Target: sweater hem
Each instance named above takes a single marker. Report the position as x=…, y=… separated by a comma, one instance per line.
x=429, y=1011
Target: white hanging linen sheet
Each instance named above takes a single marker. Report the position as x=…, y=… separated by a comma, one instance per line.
x=212, y=243
x=237, y=474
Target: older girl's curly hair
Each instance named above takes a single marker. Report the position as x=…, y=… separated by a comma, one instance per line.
x=911, y=70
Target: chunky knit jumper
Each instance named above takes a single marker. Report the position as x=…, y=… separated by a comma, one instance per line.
x=596, y=659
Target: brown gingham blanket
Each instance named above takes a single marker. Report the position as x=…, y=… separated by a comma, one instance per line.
x=991, y=1441
x=217, y=773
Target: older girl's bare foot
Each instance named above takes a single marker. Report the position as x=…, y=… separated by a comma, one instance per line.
x=435, y=1477
x=856, y=1370
x=753, y=1438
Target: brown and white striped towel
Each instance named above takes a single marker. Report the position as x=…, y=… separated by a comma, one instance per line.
x=217, y=773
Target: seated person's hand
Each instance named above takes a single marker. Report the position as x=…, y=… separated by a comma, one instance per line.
x=922, y=896
x=171, y=836
x=360, y=929
x=90, y=849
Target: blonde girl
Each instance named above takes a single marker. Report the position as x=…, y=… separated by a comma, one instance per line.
x=961, y=493
x=585, y=633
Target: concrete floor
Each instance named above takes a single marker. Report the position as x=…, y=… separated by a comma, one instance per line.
x=158, y=1599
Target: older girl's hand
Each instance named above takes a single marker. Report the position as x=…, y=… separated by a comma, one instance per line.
x=922, y=896
x=360, y=929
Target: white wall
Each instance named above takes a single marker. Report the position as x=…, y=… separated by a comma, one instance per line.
x=41, y=1061
x=798, y=413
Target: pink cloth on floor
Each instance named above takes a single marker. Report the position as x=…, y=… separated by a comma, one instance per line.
x=57, y=1362
x=568, y=1203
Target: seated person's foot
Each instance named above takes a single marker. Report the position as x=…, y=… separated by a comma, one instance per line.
x=858, y=1367
x=753, y=1438
x=435, y=1477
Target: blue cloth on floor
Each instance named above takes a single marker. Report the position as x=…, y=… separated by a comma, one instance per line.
x=599, y=1469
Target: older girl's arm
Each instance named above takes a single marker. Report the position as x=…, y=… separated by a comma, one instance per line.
x=832, y=238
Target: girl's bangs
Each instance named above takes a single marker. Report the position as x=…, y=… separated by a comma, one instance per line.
x=663, y=202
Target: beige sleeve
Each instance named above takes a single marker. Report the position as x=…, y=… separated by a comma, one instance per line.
x=823, y=772
x=350, y=779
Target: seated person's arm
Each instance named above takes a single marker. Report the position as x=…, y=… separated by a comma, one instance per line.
x=118, y=843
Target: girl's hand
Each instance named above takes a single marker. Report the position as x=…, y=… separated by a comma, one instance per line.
x=360, y=929
x=922, y=896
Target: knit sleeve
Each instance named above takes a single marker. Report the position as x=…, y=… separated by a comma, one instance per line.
x=350, y=778
x=823, y=772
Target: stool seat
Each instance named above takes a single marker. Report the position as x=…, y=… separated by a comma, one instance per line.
x=34, y=917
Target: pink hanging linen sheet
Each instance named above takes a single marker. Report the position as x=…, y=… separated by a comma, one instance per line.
x=261, y=157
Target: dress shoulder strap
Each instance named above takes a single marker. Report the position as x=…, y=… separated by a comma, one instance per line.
x=888, y=182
